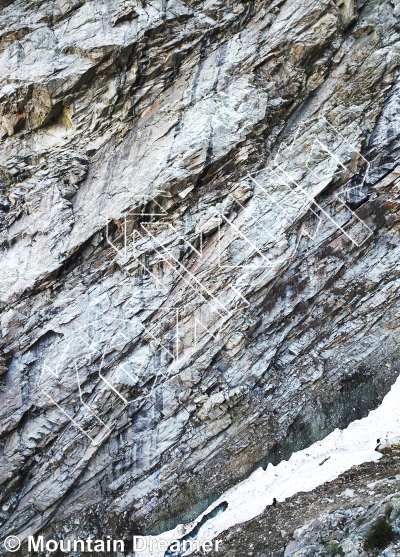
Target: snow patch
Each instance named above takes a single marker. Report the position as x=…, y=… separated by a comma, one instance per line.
x=322, y=462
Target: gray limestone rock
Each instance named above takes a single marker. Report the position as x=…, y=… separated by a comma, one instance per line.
x=199, y=267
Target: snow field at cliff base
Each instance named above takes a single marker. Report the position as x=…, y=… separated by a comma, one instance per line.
x=322, y=462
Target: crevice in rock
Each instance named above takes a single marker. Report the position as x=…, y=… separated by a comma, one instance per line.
x=192, y=535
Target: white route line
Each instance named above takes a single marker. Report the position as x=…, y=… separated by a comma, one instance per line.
x=188, y=272
x=72, y=420
x=164, y=259
x=337, y=160
x=154, y=277
x=269, y=264
x=147, y=199
x=163, y=288
x=240, y=295
x=351, y=147
x=181, y=237
x=202, y=291
x=327, y=215
x=198, y=322
x=84, y=403
x=91, y=347
x=256, y=221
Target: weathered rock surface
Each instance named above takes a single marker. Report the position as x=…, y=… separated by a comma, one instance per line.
x=333, y=520
x=152, y=120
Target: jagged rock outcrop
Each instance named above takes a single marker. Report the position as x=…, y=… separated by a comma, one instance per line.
x=199, y=231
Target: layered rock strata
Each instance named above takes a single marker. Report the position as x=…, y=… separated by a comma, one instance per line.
x=199, y=232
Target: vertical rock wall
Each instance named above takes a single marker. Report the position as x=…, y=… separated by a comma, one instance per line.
x=199, y=247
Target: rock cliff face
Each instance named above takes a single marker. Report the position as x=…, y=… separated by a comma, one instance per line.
x=199, y=247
